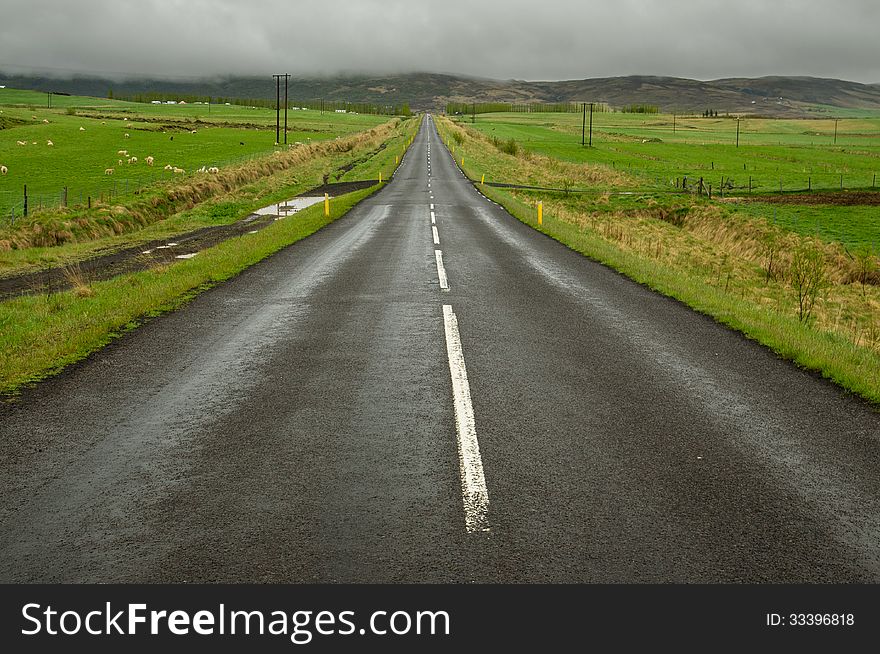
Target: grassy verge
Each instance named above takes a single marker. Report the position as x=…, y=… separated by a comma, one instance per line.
x=711, y=261
x=40, y=335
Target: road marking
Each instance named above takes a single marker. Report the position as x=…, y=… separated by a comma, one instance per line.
x=441, y=271
x=436, y=235
x=433, y=219
x=432, y=206
x=473, y=482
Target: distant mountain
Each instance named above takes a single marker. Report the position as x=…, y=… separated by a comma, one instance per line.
x=773, y=96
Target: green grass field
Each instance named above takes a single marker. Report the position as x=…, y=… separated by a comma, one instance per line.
x=798, y=153
x=78, y=159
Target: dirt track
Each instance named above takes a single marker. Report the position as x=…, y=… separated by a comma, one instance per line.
x=837, y=198
x=133, y=259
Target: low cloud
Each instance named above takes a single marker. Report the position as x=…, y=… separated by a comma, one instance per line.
x=547, y=40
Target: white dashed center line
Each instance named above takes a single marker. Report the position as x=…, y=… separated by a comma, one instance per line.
x=473, y=482
x=441, y=271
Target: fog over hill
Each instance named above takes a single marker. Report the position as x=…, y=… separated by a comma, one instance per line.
x=772, y=96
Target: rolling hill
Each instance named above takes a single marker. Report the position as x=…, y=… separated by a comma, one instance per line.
x=771, y=96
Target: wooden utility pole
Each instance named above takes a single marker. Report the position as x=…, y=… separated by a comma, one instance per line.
x=277, y=108
x=286, y=78
x=584, y=125
x=591, y=124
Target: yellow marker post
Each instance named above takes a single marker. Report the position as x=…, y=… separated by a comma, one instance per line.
x=396, y=160
x=462, y=162
x=483, y=178
x=327, y=205
x=380, y=176
x=540, y=213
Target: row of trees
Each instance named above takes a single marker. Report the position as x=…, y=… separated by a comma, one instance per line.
x=531, y=107
x=316, y=104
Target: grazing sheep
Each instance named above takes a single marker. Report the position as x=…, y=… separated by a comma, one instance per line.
x=202, y=170
x=124, y=153
x=22, y=142
x=45, y=121
x=193, y=132
x=126, y=135
x=169, y=167
x=49, y=143
x=108, y=171
x=179, y=170
x=120, y=162
x=3, y=170
x=133, y=160
x=34, y=117
x=213, y=170
x=149, y=161
x=82, y=129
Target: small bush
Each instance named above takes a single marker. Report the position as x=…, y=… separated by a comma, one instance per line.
x=509, y=147
x=809, y=278
x=458, y=136
x=70, y=111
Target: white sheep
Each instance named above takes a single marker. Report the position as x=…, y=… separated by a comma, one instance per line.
x=108, y=171
x=202, y=170
x=133, y=160
x=124, y=153
x=3, y=170
x=22, y=142
x=213, y=170
x=45, y=121
x=49, y=143
x=126, y=135
x=179, y=170
x=120, y=162
x=82, y=129
x=193, y=132
x=149, y=161
x=169, y=167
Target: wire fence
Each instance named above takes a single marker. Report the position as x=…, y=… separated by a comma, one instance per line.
x=17, y=204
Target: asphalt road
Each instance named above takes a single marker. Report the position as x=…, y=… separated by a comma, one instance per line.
x=334, y=414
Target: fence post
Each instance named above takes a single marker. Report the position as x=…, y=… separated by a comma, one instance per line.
x=65, y=196
x=25, y=201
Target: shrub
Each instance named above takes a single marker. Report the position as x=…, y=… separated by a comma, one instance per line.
x=809, y=278
x=509, y=147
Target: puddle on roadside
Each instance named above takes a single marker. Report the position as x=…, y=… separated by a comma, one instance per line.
x=289, y=206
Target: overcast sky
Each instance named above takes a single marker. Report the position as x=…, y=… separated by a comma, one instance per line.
x=532, y=39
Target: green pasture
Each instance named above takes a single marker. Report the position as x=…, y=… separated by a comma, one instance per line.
x=660, y=148
x=78, y=159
